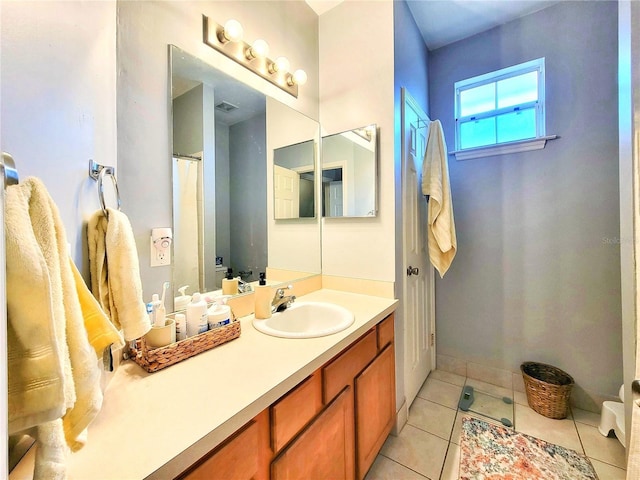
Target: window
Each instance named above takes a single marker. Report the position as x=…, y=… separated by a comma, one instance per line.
x=501, y=111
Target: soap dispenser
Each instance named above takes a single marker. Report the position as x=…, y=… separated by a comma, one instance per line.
x=180, y=302
x=229, y=284
x=263, y=296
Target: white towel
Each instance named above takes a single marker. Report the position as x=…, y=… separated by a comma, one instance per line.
x=435, y=184
x=115, y=272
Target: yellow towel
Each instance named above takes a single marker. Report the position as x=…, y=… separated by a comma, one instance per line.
x=100, y=330
x=115, y=272
x=435, y=184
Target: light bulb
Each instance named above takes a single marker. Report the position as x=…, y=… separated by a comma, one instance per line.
x=300, y=77
x=233, y=31
x=281, y=64
x=260, y=48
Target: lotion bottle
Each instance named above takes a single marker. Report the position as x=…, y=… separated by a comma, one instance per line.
x=196, y=316
x=263, y=294
x=218, y=316
x=229, y=284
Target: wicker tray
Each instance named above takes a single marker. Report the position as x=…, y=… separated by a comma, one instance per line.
x=548, y=389
x=156, y=359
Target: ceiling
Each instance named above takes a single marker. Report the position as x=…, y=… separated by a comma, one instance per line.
x=446, y=21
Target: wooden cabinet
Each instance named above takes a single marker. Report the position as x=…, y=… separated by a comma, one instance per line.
x=324, y=450
x=375, y=398
x=243, y=456
x=385, y=332
x=341, y=371
x=293, y=411
x=330, y=426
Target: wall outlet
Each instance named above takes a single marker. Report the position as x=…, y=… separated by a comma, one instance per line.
x=159, y=256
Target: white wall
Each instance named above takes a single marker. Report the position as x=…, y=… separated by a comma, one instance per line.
x=58, y=101
x=144, y=31
x=292, y=244
x=356, y=89
x=57, y=110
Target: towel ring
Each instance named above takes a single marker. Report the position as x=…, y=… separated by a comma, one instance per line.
x=98, y=172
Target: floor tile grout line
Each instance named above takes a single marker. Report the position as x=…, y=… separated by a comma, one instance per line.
x=431, y=433
x=405, y=466
x=444, y=462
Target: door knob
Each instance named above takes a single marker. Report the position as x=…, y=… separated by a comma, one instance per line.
x=412, y=271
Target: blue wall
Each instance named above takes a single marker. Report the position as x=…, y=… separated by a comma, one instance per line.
x=537, y=274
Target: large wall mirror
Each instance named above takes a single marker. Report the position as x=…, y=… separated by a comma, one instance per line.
x=349, y=173
x=220, y=176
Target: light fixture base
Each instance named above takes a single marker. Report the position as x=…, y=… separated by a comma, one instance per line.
x=237, y=51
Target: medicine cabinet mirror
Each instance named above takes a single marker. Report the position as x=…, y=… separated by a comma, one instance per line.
x=349, y=173
x=294, y=181
x=220, y=179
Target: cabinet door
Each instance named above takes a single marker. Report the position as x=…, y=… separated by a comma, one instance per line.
x=324, y=450
x=375, y=408
x=243, y=456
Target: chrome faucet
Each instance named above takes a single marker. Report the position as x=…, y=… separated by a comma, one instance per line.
x=280, y=301
x=244, y=287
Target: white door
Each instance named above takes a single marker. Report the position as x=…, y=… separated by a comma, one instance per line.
x=286, y=187
x=418, y=296
x=335, y=199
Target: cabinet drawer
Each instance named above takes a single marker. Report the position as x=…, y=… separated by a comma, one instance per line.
x=385, y=332
x=293, y=411
x=341, y=371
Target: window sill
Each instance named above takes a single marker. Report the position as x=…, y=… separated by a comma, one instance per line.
x=504, y=148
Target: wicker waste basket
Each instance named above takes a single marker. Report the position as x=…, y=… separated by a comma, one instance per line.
x=548, y=389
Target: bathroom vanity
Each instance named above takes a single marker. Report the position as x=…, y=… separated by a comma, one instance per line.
x=331, y=425
x=231, y=407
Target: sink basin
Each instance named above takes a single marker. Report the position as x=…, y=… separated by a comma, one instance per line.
x=306, y=320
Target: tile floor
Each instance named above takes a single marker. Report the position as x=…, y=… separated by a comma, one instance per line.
x=428, y=446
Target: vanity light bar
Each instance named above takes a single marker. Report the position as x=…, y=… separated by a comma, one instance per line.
x=245, y=54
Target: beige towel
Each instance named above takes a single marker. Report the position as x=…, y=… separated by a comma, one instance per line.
x=82, y=397
x=435, y=184
x=38, y=359
x=115, y=272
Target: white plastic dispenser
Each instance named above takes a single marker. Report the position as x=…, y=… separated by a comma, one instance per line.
x=181, y=326
x=180, y=302
x=262, y=307
x=196, y=316
x=218, y=316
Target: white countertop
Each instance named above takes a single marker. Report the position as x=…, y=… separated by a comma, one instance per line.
x=154, y=425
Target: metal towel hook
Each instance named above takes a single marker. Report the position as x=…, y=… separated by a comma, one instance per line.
x=98, y=172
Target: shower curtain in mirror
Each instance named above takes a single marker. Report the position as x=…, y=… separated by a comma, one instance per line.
x=187, y=244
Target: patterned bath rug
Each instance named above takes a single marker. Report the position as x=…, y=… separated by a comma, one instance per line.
x=490, y=451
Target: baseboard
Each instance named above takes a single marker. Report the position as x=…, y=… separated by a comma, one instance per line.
x=402, y=416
